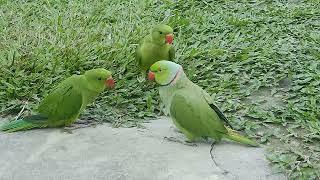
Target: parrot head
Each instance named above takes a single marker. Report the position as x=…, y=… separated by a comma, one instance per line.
x=99, y=79
x=164, y=72
x=162, y=34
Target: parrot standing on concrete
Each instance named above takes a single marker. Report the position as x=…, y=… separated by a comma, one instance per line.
x=189, y=106
x=64, y=104
x=155, y=47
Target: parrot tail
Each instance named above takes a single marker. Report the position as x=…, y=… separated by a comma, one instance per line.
x=241, y=139
x=29, y=122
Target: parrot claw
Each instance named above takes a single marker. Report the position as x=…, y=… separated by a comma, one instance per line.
x=177, y=131
x=79, y=121
x=67, y=130
x=173, y=139
x=189, y=143
x=78, y=125
x=163, y=109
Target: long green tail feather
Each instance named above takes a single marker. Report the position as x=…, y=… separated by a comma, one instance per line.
x=241, y=139
x=29, y=122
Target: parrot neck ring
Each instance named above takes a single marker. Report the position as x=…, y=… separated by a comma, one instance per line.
x=175, y=79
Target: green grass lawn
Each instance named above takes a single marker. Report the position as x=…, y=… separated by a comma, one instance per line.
x=260, y=61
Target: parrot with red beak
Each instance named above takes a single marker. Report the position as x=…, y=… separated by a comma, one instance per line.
x=190, y=107
x=155, y=47
x=64, y=104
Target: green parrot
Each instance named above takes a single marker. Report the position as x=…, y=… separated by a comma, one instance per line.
x=63, y=105
x=155, y=47
x=189, y=106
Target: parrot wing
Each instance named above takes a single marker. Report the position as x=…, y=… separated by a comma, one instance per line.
x=58, y=108
x=63, y=103
x=138, y=55
x=207, y=97
x=193, y=116
x=220, y=114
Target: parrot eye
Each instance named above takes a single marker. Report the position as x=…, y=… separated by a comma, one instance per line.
x=99, y=78
x=160, y=32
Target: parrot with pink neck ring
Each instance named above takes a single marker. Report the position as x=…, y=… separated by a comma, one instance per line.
x=190, y=107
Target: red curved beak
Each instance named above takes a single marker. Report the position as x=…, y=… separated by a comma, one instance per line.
x=169, y=38
x=110, y=83
x=151, y=76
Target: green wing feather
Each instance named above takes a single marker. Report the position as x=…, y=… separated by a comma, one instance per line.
x=194, y=115
x=138, y=55
x=220, y=114
x=63, y=105
x=207, y=97
x=25, y=123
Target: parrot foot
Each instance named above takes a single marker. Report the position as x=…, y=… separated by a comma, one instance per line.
x=173, y=139
x=223, y=170
x=189, y=143
x=163, y=109
x=177, y=131
x=79, y=121
x=69, y=129
x=66, y=130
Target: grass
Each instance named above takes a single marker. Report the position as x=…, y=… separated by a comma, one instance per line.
x=260, y=62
